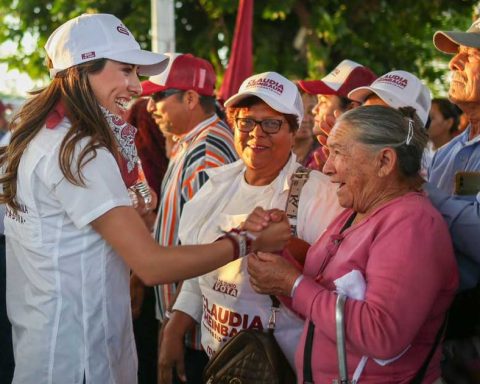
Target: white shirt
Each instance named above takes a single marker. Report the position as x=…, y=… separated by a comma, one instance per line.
x=223, y=301
x=67, y=290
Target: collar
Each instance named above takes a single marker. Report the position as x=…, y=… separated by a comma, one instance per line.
x=465, y=134
x=56, y=115
x=190, y=135
x=225, y=173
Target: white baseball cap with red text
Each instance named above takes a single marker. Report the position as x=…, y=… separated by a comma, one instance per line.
x=99, y=36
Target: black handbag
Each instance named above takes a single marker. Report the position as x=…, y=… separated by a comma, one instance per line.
x=251, y=357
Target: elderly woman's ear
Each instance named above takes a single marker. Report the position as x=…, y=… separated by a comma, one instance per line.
x=387, y=161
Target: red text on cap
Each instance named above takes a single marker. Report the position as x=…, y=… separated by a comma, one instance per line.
x=267, y=83
x=123, y=30
x=395, y=80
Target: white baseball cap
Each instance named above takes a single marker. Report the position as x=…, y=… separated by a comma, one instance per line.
x=277, y=91
x=398, y=89
x=345, y=76
x=99, y=36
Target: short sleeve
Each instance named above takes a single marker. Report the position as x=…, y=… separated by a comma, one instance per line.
x=104, y=189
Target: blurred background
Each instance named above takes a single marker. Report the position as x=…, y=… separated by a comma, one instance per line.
x=298, y=38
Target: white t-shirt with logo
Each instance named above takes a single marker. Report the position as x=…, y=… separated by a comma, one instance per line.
x=67, y=290
x=223, y=301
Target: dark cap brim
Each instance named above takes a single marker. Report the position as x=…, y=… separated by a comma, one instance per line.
x=149, y=88
x=448, y=42
x=316, y=87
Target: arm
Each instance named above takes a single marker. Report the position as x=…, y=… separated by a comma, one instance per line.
x=463, y=219
x=155, y=264
x=171, y=347
x=405, y=276
x=187, y=311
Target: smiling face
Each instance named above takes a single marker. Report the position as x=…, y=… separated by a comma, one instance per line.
x=465, y=83
x=115, y=85
x=263, y=154
x=352, y=166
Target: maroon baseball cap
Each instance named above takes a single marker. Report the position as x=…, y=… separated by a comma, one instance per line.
x=346, y=76
x=185, y=72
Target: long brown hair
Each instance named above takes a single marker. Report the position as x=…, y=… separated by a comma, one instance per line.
x=72, y=87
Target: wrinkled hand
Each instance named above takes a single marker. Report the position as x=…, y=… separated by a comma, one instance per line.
x=275, y=236
x=320, y=158
x=271, y=274
x=323, y=130
x=170, y=355
x=260, y=219
x=137, y=293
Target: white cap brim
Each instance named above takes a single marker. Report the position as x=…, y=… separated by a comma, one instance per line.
x=362, y=93
x=149, y=63
x=265, y=97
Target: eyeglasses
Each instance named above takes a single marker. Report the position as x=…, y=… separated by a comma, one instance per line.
x=159, y=96
x=269, y=126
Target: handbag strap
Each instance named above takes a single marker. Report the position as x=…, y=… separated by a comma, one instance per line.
x=423, y=369
x=298, y=180
x=307, y=355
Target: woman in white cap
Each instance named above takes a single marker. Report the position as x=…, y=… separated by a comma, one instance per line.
x=265, y=114
x=70, y=226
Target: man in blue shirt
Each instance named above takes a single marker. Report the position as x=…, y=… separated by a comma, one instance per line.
x=454, y=175
x=453, y=187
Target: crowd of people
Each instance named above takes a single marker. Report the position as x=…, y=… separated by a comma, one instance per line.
x=193, y=204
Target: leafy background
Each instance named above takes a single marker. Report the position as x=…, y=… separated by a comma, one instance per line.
x=298, y=38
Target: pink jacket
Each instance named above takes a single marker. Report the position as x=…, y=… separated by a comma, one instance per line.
x=405, y=254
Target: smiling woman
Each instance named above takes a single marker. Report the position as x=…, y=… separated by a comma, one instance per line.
x=265, y=113
x=389, y=253
x=115, y=85
x=75, y=194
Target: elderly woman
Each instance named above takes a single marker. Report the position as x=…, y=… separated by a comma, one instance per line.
x=265, y=120
x=389, y=251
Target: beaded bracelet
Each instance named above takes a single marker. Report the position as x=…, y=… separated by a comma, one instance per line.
x=242, y=243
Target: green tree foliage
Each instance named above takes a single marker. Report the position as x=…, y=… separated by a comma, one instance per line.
x=299, y=38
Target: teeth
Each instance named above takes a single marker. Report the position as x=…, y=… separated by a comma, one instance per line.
x=122, y=103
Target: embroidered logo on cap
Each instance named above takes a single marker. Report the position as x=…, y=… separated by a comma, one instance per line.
x=123, y=30
x=335, y=72
x=266, y=83
x=88, y=55
x=395, y=80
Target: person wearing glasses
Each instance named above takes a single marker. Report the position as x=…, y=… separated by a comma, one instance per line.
x=182, y=103
x=265, y=114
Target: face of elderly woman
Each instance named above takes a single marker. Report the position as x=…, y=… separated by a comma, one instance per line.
x=264, y=154
x=353, y=167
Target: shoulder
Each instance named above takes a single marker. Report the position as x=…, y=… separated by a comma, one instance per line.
x=214, y=146
x=414, y=209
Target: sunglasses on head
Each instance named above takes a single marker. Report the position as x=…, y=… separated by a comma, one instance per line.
x=158, y=96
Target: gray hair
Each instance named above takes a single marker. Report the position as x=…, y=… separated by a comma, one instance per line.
x=380, y=126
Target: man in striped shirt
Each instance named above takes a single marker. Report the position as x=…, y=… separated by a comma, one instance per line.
x=182, y=102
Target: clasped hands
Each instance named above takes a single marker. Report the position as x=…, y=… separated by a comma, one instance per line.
x=270, y=273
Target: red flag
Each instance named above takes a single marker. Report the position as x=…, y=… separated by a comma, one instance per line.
x=240, y=64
